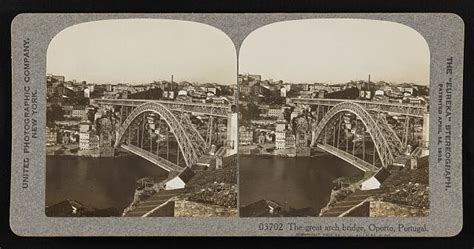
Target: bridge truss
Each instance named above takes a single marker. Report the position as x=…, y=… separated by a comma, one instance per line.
x=136, y=133
x=333, y=135
x=149, y=128
x=214, y=110
x=409, y=110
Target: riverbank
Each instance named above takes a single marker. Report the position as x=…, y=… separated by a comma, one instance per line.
x=265, y=150
x=186, y=208
x=405, y=193
x=73, y=151
x=270, y=150
x=210, y=193
x=71, y=208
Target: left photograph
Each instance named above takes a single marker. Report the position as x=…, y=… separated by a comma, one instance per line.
x=141, y=120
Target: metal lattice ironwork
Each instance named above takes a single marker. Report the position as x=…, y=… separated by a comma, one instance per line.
x=393, y=141
x=192, y=132
x=383, y=138
x=185, y=136
x=217, y=110
x=400, y=109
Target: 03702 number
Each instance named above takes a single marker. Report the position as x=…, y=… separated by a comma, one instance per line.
x=270, y=226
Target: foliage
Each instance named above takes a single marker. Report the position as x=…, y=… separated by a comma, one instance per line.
x=287, y=114
x=350, y=93
x=54, y=113
x=155, y=93
x=250, y=112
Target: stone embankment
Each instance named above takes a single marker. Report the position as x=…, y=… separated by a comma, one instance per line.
x=208, y=193
x=186, y=208
x=222, y=194
x=216, y=187
x=404, y=193
x=388, y=209
x=410, y=194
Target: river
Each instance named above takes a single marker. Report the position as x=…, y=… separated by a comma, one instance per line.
x=292, y=182
x=96, y=182
x=111, y=182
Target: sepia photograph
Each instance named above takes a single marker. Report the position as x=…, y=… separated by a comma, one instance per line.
x=141, y=120
x=241, y=124
x=334, y=120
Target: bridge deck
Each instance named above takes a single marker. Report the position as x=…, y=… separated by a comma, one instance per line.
x=162, y=163
x=401, y=109
x=353, y=160
x=219, y=110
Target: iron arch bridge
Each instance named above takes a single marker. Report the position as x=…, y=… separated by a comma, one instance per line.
x=190, y=143
x=326, y=135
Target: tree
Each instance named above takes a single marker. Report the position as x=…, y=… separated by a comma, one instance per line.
x=91, y=114
x=54, y=113
x=224, y=91
x=250, y=112
x=350, y=93
x=155, y=93
x=287, y=114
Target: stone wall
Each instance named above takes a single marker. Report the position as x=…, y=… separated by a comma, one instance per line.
x=362, y=210
x=167, y=210
x=386, y=209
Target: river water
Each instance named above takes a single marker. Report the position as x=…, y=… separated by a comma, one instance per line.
x=292, y=182
x=111, y=182
x=96, y=182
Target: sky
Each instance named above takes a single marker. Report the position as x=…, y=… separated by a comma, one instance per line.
x=143, y=50
x=336, y=51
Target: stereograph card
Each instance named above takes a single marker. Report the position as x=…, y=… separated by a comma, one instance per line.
x=237, y=124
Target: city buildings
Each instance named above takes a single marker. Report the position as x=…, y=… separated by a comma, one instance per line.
x=73, y=114
x=51, y=136
x=277, y=119
x=245, y=136
x=93, y=141
x=88, y=140
x=283, y=137
x=67, y=110
x=285, y=140
x=274, y=111
x=79, y=112
x=261, y=138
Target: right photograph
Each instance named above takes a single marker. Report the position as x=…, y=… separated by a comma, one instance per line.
x=334, y=120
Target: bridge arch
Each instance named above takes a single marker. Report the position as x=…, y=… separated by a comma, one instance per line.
x=386, y=143
x=189, y=150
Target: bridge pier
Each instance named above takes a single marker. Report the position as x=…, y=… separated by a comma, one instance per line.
x=232, y=133
x=210, y=127
x=425, y=135
x=167, y=144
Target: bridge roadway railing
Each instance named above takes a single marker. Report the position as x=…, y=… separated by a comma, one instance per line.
x=155, y=159
x=401, y=109
x=355, y=161
x=218, y=110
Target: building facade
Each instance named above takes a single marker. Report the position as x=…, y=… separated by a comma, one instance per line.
x=245, y=136
x=51, y=136
x=78, y=113
x=274, y=112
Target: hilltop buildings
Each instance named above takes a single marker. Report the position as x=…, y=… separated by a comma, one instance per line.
x=267, y=110
x=73, y=118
